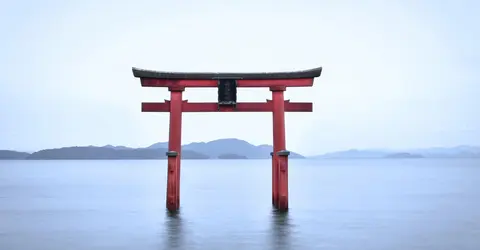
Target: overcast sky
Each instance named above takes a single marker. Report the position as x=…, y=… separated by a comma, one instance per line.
x=396, y=74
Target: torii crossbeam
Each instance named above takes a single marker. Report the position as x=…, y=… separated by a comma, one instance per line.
x=227, y=84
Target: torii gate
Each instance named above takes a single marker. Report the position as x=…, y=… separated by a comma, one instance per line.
x=227, y=84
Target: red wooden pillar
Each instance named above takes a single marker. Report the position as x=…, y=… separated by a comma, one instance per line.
x=174, y=149
x=280, y=154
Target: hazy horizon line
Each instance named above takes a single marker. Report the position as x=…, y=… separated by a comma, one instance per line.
x=386, y=149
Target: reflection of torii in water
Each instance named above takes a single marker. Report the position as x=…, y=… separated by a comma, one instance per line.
x=174, y=231
x=281, y=230
x=227, y=84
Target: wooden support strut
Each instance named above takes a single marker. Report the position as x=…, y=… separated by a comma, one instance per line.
x=240, y=107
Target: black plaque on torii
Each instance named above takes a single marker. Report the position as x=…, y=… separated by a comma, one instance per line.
x=227, y=92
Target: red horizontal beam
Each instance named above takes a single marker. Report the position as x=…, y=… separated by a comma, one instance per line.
x=152, y=82
x=213, y=107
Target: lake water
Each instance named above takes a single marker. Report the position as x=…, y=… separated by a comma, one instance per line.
x=226, y=204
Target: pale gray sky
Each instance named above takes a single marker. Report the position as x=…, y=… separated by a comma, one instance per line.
x=397, y=74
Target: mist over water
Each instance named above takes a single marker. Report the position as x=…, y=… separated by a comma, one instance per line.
x=334, y=204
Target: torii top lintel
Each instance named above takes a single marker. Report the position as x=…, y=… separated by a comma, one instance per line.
x=150, y=78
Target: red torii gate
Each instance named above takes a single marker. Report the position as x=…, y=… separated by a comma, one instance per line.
x=227, y=84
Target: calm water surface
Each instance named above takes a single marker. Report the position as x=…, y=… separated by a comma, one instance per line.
x=226, y=204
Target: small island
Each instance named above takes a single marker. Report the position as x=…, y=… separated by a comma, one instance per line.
x=231, y=156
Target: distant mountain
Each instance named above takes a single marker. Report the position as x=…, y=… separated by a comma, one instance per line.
x=354, y=154
x=228, y=146
x=222, y=148
x=454, y=152
x=233, y=146
x=106, y=153
x=12, y=155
